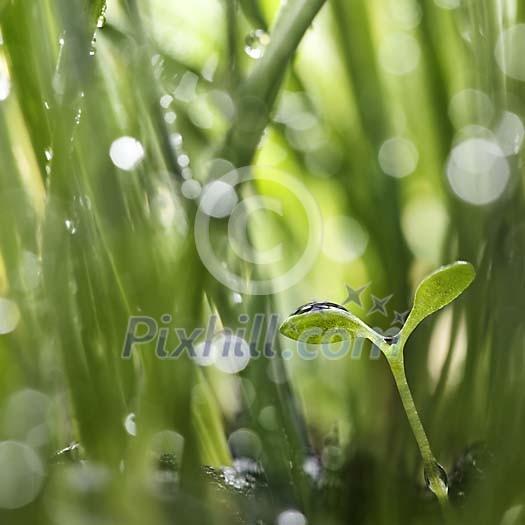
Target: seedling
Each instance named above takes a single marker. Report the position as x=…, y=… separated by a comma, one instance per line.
x=317, y=323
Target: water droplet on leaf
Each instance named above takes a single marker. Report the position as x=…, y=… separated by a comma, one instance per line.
x=442, y=476
x=70, y=226
x=256, y=42
x=130, y=425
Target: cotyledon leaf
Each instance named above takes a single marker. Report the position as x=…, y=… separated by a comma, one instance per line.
x=436, y=291
x=323, y=322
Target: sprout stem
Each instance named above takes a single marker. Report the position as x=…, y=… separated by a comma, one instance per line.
x=438, y=487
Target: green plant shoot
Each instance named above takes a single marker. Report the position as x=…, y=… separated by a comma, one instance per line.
x=317, y=323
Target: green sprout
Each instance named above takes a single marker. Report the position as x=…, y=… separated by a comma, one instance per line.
x=317, y=323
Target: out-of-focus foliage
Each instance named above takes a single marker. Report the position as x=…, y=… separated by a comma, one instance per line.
x=403, y=118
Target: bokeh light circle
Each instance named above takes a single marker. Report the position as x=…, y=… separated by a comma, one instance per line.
x=478, y=171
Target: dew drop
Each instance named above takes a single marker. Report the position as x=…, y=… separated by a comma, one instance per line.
x=78, y=116
x=130, y=425
x=255, y=43
x=101, y=21
x=93, y=49
x=82, y=201
x=442, y=477
x=70, y=226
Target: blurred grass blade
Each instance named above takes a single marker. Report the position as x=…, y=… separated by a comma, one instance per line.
x=257, y=94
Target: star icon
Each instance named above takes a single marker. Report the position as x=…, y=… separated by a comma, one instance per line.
x=354, y=295
x=400, y=317
x=379, y=305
